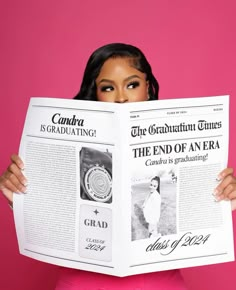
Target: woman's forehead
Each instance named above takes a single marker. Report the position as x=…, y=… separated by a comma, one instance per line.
x=154, y=181
x=119, y=66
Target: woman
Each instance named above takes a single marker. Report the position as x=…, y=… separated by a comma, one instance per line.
x=115, y=73
x=152, y=207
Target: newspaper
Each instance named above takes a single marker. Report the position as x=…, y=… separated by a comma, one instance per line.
x=126, y=188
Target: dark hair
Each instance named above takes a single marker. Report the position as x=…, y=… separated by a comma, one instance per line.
x=157, y=178
x=112, y=50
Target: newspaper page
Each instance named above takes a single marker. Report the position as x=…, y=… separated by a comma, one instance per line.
x=69, y=215
x=177, y=150
x=124, y=189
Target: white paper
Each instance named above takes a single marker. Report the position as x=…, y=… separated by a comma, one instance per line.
x=89, y=166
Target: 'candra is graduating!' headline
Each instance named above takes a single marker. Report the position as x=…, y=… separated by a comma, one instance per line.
x=67, y=125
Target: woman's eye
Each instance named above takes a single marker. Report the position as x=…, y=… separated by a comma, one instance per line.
x=107, y=89
x=133, y=85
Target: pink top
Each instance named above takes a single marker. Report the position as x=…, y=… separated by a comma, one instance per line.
x=71, y=279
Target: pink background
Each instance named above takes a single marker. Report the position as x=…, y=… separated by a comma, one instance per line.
x=44, y=46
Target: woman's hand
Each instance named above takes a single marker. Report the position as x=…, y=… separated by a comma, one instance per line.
x=13, y=180
x=226, y=190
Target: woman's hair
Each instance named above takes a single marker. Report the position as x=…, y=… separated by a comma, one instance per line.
x=157, y=178
x=113, y=50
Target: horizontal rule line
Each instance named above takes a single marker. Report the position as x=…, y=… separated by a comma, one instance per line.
x=174, y=108
x=173, y=140
x=65, y=259
x=181, y=259
x=70, y=140
x=76, y=109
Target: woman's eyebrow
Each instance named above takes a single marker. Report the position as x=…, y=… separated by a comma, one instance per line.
x=132, y=77
x=106, y=81
x=126, y=79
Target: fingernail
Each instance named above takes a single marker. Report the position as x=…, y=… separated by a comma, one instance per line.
x=217, y=198
x=219, y=177
x=216, y=192
x=20, y=192
x=23, y=189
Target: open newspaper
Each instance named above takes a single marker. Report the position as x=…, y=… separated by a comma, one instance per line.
x=126, y=188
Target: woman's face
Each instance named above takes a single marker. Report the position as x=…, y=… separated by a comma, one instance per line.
x=119, y=82
x=153, y=185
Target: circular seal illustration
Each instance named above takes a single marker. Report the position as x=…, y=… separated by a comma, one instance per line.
x=98, y=183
